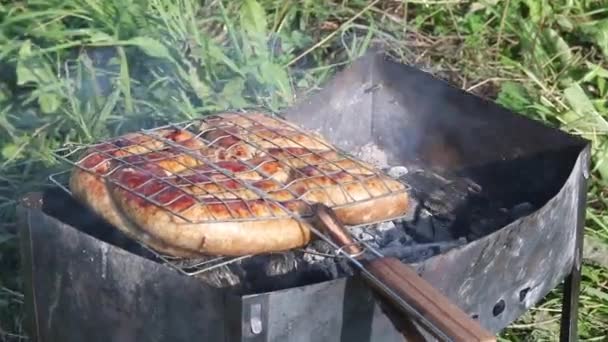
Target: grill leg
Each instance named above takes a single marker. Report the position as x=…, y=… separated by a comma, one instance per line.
x=568, y=331
x=570, y=301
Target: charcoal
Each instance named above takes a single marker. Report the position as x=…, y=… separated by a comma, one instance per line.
x=280, y=264
x=376, y=234
x=222, y=277
x=329, y=268
x=423, y=227
x=442, y=203
x=486, y=219
x=395, y=236
x=318, y=246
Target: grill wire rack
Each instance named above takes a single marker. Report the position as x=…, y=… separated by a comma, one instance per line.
x=197, y=266
x=229, y=129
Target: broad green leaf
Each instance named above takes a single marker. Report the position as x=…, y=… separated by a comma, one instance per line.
x=474, y=23
x=32, y=68
x=107, y=109
x=303, y=83
x=253, y=22
x=233, y=93
x=124, y=80
x=99, y=37
x=253, y=18
x=513, y=96
x=564, y=22
x=570, y=117
x=536, y=55
x=539, y=9
x=587, y=119
x=578, y=100
x=201, y=89
x=24, y=73
x=596, y=71
x=219, y=56
x=597, y=31
x=559, y=45
x=150, y=47
x=9, y=151
x=25, y=50
x=596, y=293
x=277, y=76
x=49, y=102
x=601, y=86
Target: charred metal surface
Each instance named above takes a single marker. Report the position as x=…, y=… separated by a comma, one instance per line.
x=82, y=289
x=502, y=275
x=340, y=310
x=78, y=285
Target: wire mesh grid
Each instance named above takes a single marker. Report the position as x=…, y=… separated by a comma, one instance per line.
x=231, y=162
x=174, y=165
x=196, y=266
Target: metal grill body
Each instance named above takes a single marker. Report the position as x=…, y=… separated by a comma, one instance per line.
x=413, y=119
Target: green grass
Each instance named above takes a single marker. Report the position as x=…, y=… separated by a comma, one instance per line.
x=77, y=71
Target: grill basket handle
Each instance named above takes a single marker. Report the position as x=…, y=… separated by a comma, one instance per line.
x=402, y=289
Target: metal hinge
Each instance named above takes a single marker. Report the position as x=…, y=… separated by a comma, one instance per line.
x=254, y=322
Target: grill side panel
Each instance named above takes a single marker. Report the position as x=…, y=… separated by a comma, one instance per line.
x=334, y=311
x=83, y=289
x=502, y=275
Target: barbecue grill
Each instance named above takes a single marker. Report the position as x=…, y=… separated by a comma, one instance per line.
x=498, y=224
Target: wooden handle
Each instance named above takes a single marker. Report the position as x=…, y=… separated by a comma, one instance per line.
x=327, y=221
x=405, y=286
